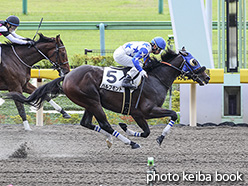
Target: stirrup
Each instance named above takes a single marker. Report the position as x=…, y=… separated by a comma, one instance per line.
x=126, y=83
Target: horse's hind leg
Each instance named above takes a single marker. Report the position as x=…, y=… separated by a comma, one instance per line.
x=22, y=113
x=29, y=88
x=142, y=124
x=87, y=122
x=100, y=116
x=57, y=107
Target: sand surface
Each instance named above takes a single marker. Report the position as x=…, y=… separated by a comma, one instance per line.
x=70, y=155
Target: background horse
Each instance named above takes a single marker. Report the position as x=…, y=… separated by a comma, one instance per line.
x=17, y=61
x=82, y=86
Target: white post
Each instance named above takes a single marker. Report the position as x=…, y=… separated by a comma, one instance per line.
x=39, y=113
x=192, y=105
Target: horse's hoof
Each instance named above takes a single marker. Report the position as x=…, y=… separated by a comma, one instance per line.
x=134, y=145
x=109, y=142
x=160, y=139
x=66, y=116
x=123, y=126
x=26, y=126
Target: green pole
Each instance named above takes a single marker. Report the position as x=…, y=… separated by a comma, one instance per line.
x=219, y=34
x=160, y=6
x=240, y=26
x=24, y=6
x=244, y=32
x=223, y=34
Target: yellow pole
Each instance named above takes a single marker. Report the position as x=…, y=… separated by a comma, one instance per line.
x=192, y=105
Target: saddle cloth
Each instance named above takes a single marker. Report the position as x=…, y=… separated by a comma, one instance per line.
x=113, y=77
x=0, y=54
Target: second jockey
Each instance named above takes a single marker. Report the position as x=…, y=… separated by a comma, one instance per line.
x=7, y=29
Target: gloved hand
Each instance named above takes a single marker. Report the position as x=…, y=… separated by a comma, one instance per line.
x=143, y=73
x=31, y=43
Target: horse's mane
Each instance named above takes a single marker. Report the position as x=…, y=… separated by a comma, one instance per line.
x=42, y=39
x=45, y=39
x=167, y=56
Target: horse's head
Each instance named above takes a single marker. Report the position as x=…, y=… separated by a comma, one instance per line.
x=55, y=53
x=193, y=69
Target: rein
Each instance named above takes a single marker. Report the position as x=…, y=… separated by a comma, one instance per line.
x=178, y=69
x=20, y=58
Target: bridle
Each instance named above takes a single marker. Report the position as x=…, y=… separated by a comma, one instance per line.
x=55, y=64
x=192, y=74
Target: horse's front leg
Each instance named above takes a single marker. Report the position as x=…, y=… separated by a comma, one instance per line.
x=29, y=88
x=142, y=124
x=22, y=113
x=158, y=112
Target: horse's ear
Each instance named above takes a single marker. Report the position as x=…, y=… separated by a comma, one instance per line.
x=183, y=51
x=58, y=38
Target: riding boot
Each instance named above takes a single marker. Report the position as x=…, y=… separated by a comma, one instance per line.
x=126, y=83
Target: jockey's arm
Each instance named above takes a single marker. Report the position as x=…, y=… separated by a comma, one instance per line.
x=16, y=40
x=16, y=35
x=4, y=31
x=142, y=53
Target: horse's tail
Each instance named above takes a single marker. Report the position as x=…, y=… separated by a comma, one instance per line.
x=36, y=99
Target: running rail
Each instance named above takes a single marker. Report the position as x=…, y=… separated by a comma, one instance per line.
x=216, y=75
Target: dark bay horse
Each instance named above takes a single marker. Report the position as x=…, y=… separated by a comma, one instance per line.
x=82, y=86
x=17, y=61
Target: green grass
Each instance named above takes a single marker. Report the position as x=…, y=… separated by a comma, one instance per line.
x=85, y=10
x=94, y=10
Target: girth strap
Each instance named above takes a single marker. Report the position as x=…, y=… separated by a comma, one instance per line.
x=126, y=104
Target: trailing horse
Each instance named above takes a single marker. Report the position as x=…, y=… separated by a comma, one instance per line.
x=82, y=86
x=17, y=61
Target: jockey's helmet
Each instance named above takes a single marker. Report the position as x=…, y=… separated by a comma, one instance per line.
x=13, y=20
x=159, y=42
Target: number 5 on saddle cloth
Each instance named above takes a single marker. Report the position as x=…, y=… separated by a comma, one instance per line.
x=112, y=80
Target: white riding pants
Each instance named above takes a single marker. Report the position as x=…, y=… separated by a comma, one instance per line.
x=122, y=58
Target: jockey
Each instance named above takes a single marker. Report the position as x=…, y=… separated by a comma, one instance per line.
x=131, y=53
x=7, y=29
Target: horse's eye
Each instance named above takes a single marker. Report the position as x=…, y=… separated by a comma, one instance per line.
x=63, y=54
x=193, y=62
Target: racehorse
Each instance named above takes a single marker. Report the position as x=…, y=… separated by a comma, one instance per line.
x=82, y=86
x=17, y=61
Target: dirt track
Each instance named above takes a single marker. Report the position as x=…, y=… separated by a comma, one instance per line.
x=68, y=155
